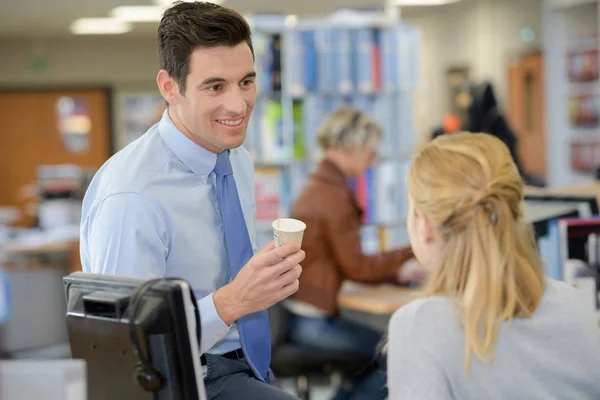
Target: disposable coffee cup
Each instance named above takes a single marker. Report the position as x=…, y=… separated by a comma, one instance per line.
x=288, y=230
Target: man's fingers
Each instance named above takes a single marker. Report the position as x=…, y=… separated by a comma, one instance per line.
x=289, y=290
x=287, y=264
x=267, y=248
x=290, y=276
x=278, y=253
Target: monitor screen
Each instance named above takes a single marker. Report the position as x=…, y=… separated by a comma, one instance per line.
x=540, y=209
x=166, y=333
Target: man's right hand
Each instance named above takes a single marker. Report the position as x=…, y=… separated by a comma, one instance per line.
x=260, y=283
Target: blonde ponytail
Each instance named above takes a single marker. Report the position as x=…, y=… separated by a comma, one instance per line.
x=468, y=185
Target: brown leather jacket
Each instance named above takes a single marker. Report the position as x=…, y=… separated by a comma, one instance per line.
x=332, y=242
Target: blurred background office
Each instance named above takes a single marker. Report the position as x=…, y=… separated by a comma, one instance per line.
x=77, y=84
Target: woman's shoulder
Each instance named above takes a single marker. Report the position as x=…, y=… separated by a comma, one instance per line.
x=317, y=181
x=428, y=324
x=426, y=314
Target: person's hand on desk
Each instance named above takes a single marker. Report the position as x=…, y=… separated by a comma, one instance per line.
x=412, y=274
x=261, y=283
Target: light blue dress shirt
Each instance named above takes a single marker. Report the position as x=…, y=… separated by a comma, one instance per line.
x=151, y=211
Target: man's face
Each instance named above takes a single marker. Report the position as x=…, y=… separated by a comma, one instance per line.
x=220, y=94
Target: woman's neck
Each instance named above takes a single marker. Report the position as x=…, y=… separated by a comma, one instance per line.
x=341, y=160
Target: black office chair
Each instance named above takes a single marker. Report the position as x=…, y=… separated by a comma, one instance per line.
x=290, y=360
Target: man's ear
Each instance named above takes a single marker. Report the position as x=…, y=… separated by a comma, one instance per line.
x=168, y=86
x=426, y=228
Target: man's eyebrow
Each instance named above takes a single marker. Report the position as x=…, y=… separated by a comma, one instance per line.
x=216, y=79
x=249, y=75
x=210, y=80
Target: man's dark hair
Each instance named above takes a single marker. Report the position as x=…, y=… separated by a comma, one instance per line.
x=186, y=27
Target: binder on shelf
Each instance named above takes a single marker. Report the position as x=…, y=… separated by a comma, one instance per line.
x=273, y=144
x=389, y=60
x=315, y=110
x=342, y=61
x=376, y=61
x=263, y=60
x=299, y=141
x=296, y=70
x=323, y=39
x=363, y=60
x=310, y=61
x=276, y=72
x=386, y=113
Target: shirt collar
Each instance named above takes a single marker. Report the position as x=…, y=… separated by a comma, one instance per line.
x=198, y=159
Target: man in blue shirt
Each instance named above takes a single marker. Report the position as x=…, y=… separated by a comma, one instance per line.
x=180, y=200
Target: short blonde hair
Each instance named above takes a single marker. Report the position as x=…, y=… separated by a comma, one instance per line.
x=468, y=186
x=350, y=129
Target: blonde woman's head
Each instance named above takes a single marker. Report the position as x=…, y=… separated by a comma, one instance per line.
x=465, y=224
x=351, y=135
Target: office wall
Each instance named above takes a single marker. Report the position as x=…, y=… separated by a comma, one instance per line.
x=78, y=60
x=481, y=34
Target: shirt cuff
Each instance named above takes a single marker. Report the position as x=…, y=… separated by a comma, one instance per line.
x=213, y=328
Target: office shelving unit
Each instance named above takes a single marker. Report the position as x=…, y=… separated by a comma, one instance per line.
x=308, y=67
x=571, y=63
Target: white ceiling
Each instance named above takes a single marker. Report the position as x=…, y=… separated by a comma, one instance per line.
x=46, y=18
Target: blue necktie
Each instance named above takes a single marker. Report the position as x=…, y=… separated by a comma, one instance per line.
x=254, y=330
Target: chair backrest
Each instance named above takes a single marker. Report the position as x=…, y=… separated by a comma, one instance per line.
x=278, y=317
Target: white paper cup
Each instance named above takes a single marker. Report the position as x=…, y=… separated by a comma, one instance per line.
x=288, y=230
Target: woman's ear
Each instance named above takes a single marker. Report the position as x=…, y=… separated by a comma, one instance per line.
x=426, y=229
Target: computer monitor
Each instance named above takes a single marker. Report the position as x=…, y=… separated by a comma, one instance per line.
x=540, y=209
x=154, y=356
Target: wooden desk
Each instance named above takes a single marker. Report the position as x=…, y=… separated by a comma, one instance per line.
x=378, y=299
x=372, y=306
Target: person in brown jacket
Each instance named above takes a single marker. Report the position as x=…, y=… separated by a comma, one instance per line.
x=349, y=140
